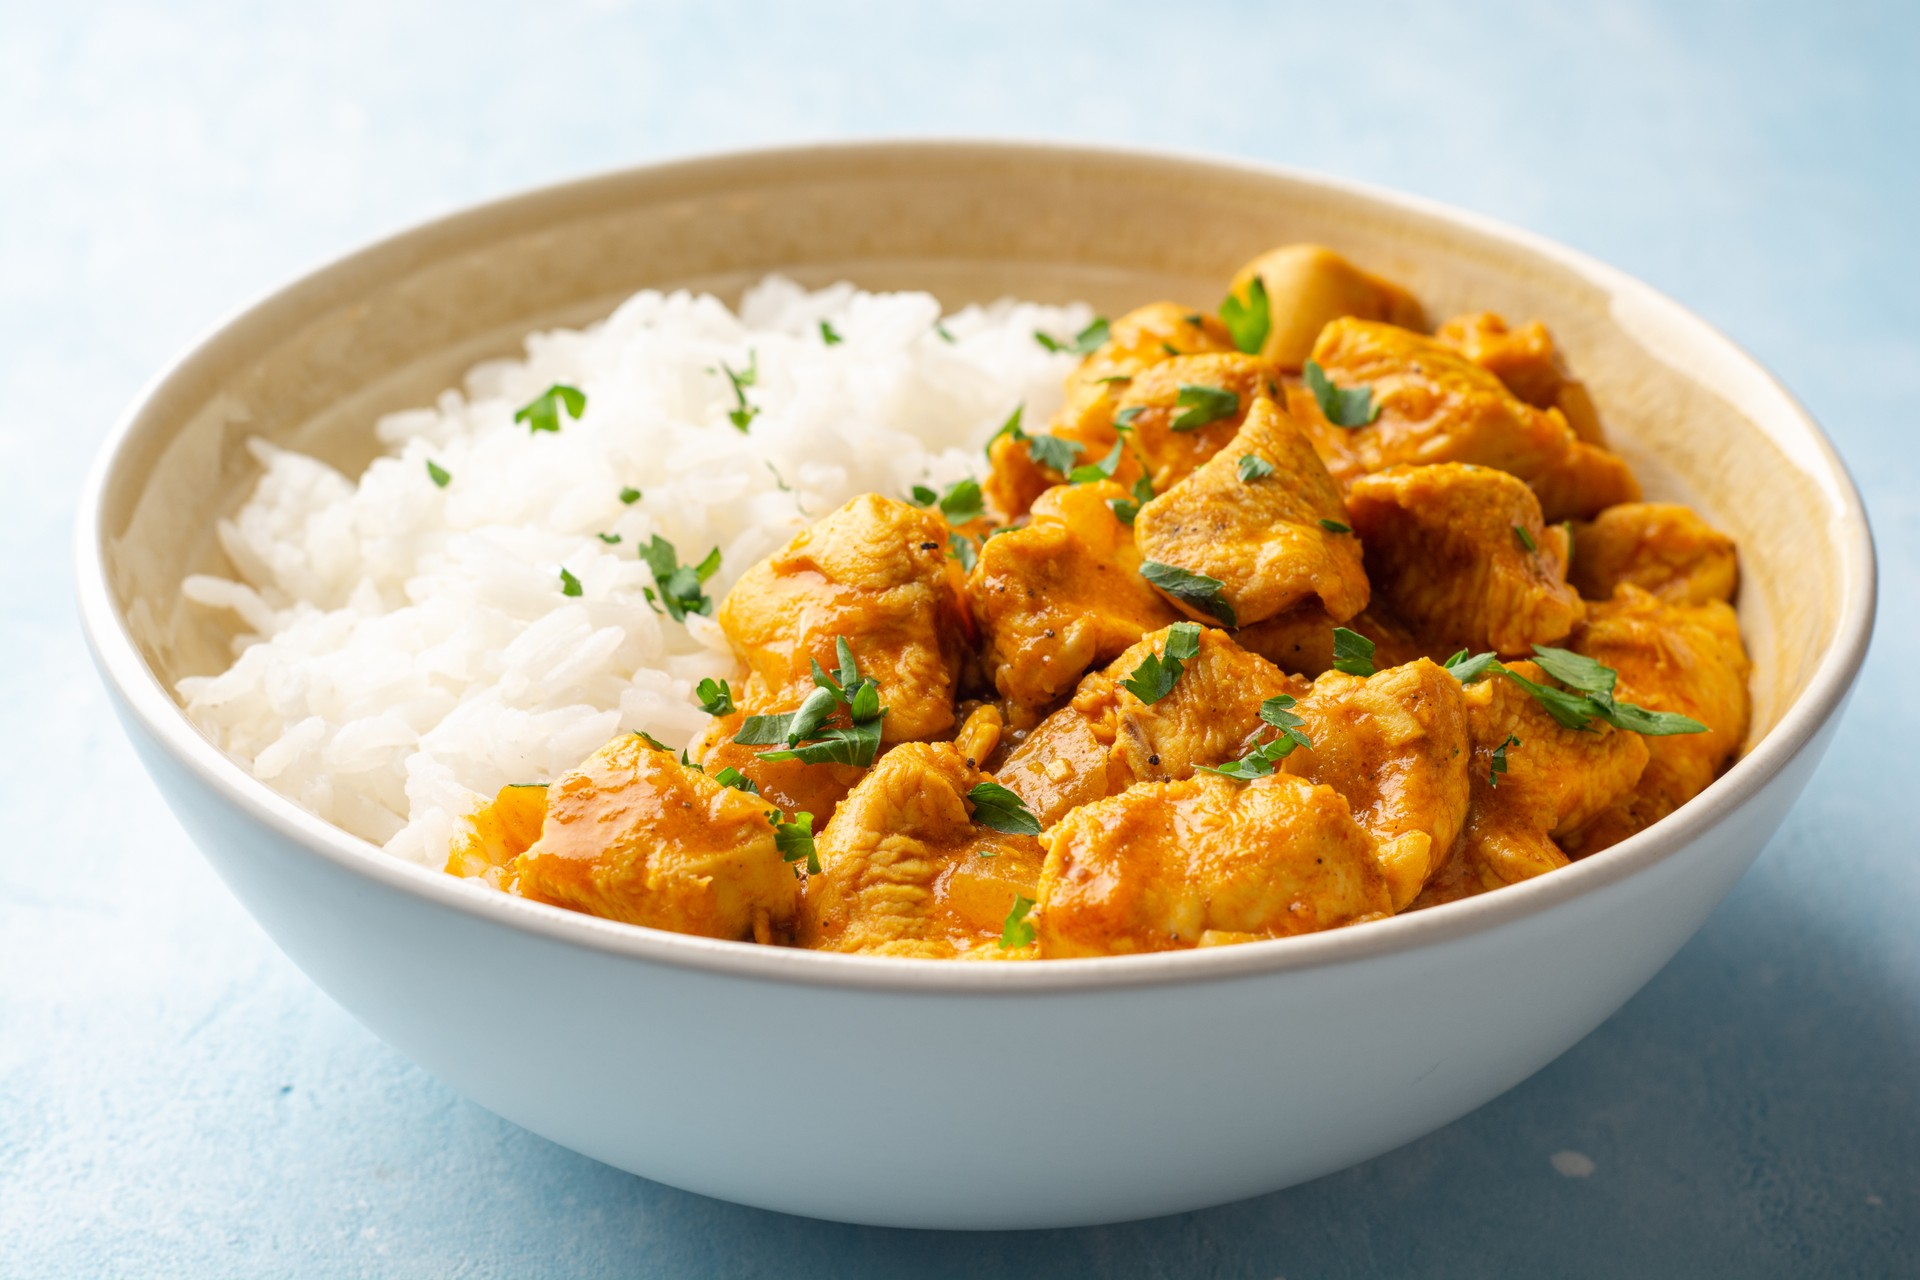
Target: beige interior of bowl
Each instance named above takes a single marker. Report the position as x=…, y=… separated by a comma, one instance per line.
x=387, y=329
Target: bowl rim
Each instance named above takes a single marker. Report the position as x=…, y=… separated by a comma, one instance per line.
x=145, y=701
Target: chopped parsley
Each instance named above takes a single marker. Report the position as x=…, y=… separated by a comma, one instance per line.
x=1498, y=765
x=1249, y=322
x=1351, y=408
x=961, y=548
x=1588, y=696
x=743, y=414
x=716, y=696
x=1352, y=653
x=732, y=777
x=1094, y=472
x=1170, y=349
x=1016, y=932
x=629, y=496
x=793, y=837
x=656, y=744
x=1203, y=404
x=961, y=502
x=995, y=806
x=1154, y=678
x=1126, y=510
x=611, y=539
x=542, y=413
x=1123, y=420
x=1334, y=526
x=1082, y=343
x=1011, y=427
x=941, y=329
x=1253, y=467
x=1524, y=538
x=1259, y=762
x=569, y=585
x=805, y=732
x=1112, y=378
x=1053, y=452
x=829, y=335
x=679, y=585
x=1195, y=590
x=921, y=496
x=438, y=474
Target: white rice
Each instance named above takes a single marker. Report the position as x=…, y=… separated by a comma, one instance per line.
x=409, y=648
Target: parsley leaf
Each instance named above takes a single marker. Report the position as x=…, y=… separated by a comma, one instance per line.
x=1591, y=699
x=569, y=585
x=629, y=496
x=1086, y=341
x=1466, y=670
x=961, y=548
x=542, y=413
x=1011, y=427
x=732, y=777
x=829, y=335
x=842, y=744
x=1154, y=678
x=1278, y=712
x=1573, y=710
x=650, y=740
x=1194, y=589
x=716, y=696
x=1498, y=765
x=1016, y=932
x=1094, y=472
x=1524, y=538
x=940, y=328
x=438, y=474
x=743, y=415
x=611, y=539
x=805, y=732
x=679, y=585
x=1053, y=452
x=921, y=496
x=1351, y=408
x=996, y=807
x=1125, y=510
x=1260, y=761
x=1575, y=670
x=1253, y=467
x=1352, y=652
x=1203, y=404
x=1249, y=322
x=793, y=837
x=1123, y=420
x=763, y=731
x=961, y=502
x=1334, y=526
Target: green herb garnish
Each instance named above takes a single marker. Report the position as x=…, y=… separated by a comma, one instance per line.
x=1094, y=472
x=629, y=496
x=743, y=414
x=1259, y=762
x=542, y=413
x=1053, y=452
x=961, y=548
x=1249, y=322
x=716, y=696
x=1011, y=427
x=962, y=502
x=679, y=585
x=1352, y=652
x=1194, y=589
x=569, y=585
x=1498, y=765
x=1334, y=526
x=1123, y=420
x=995, y=806
x=1016, y=932
x=921, y=496
x=1082, y=343
x=793, y=837
x=1203, y=404
x=1126, y=510
x=732, y=777
x=1468, y=669
x=611, y=539
x=1253, y=467
x=805, y=731
x=1154, y=678
x=940, y=328
x=438, y=474
x=1591, y=699
x=830, y=335
x=1523, y=537
x=1351, y=408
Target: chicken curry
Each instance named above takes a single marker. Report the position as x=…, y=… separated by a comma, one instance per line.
x=1298, y=614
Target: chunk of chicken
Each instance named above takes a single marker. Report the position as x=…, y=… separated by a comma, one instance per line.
x=1460, y=554
x=1308, y=286
x=1163, y=397
x=1135, y=342
x=1061, y=594
x=498, y=832
x=1435, y=405
x=1529, y=363
x=1263, y=537
x=1395, y=745
x=1106, y=739
x=1171, y=865
x=874, y=573
x=791, y=786
x=634, y=835
x=906, y=871
x=1658, y=546
x=1301, y=639
x=1556, y=780
x=1670, y=657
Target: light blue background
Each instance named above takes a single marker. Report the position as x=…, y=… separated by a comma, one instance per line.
x=175, y=1099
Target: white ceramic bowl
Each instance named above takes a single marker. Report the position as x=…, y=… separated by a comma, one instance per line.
x=946, y=1094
